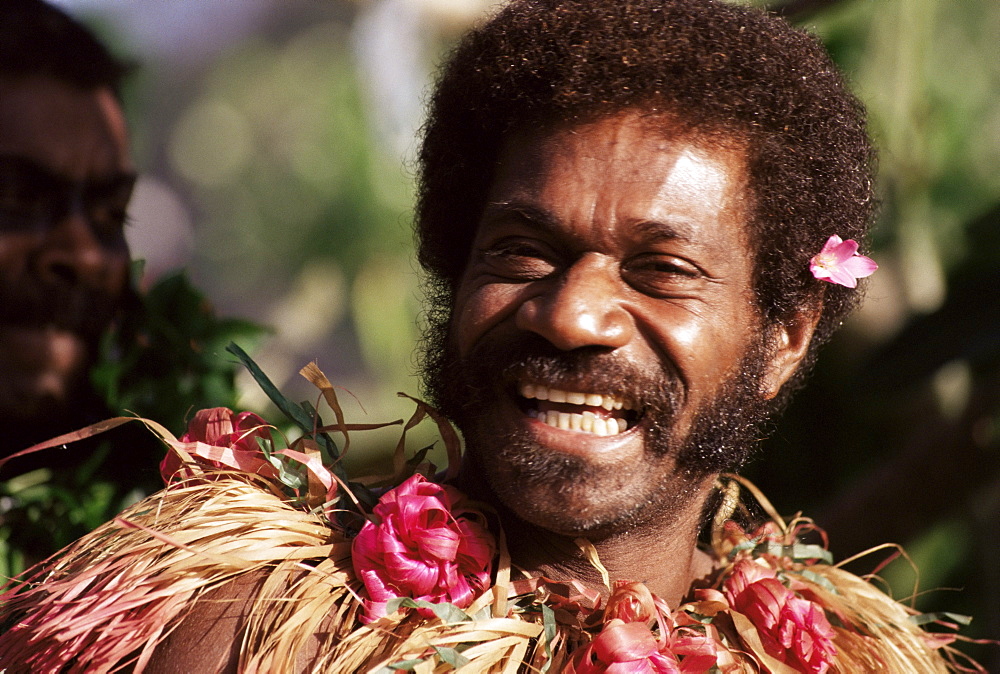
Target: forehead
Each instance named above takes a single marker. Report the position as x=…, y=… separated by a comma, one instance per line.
x=627, y=172
x=78, y=133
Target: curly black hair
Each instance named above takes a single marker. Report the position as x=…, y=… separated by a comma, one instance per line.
x=39, y=39
x=716, y=67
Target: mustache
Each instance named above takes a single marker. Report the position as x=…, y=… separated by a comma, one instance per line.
x=84, y=311
x=529, y=357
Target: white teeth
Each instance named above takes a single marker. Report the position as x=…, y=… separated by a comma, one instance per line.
x=587, y=422
x=542, y=392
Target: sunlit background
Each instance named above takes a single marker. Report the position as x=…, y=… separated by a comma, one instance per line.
x=275, y=139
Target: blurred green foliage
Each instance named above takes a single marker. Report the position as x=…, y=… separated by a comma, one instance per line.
x=895, y=439
x=165, y=360
x=303, y=225
x=897, y=436
x=302, y=219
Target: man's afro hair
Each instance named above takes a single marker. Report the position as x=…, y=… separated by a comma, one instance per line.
x=715, y=67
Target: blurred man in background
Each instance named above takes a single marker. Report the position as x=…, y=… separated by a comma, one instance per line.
x=66, y=177
x=78, y=344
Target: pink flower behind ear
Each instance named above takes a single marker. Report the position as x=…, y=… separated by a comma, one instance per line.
x=840, y=263
x=426, y=546
x=791, y=628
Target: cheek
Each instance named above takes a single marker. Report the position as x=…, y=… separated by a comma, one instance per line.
x=706, y=346
x=15, y=252
x=482, y=309
x=117, y=263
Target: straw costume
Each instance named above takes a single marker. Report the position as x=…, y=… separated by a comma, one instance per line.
x=241, y=503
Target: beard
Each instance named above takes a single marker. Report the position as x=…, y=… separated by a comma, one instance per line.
x=721, y=435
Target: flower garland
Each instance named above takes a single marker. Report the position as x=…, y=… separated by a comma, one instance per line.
x=423, y=585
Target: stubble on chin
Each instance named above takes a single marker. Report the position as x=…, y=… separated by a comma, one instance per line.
x=559, y=492
x=566, y=493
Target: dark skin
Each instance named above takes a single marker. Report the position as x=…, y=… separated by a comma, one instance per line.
x=78, y=136
x=614, y=236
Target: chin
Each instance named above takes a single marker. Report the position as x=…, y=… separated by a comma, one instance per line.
x=570, y=495
x=44, y=369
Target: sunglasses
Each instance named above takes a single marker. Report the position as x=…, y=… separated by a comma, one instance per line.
x=33, y=200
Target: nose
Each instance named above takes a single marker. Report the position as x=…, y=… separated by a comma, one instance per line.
x=71, y=253
x=582, y=309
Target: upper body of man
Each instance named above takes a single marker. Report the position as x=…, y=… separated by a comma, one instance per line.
x=66, y=177
x=619, y=205
x=642, y=187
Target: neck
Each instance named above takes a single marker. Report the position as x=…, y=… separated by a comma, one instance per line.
x=662, y=552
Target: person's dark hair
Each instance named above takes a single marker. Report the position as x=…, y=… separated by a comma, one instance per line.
x=714, y=67
x=39, y=39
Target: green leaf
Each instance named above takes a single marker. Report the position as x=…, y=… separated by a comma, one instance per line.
x=549, y=625
x=448, y=613
x=294, y=412
x=451, y=656
x=926, y=618
x=819, y=580
x=797, y=551
x=419, y=456
x=405, y=665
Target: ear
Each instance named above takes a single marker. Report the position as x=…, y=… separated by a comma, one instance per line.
x=790, y=341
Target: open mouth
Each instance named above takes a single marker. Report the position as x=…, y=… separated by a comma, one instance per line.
x=600, y=414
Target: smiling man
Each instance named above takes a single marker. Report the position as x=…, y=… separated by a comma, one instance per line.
x=626, y=210
x=65, y=181
x=627, y=273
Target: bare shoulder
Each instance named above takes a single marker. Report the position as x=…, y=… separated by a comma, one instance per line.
x=208, y=639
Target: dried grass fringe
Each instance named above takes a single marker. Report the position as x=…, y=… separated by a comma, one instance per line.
x=104, y=603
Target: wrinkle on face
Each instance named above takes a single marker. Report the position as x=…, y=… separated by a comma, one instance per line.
x=626, y=226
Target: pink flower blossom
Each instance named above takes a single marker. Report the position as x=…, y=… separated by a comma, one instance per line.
x=633, y=603
x=426, y=546
x=627, y=642
x=839, y=262
x=623, y=648
x=221, y=438
x=792, y=629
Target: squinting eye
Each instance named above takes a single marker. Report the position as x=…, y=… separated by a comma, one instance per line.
x=19, y=210
x=518, y=260
x=660, y=274
x=107, y=220
x=107, y=206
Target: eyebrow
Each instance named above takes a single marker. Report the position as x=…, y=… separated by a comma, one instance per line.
x=528, y=213
x=672, y=229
